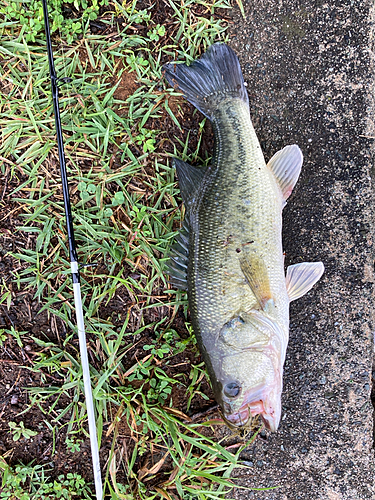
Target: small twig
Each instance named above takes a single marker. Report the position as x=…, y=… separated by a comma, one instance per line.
x=5, y=184
x=7, y=315
x=201, y=414
x=15, y=383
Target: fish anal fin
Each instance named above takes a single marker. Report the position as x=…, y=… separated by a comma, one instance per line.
x=255, y=272
x=286, y=166
x=300, y=278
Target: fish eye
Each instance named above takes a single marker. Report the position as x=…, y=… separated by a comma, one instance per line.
x=232, y=390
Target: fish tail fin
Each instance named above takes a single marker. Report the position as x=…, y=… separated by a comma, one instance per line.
x=209, y=80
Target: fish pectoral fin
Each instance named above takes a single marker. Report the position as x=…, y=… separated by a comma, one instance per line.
x=255, y=272
x=300, y=278
x=189, y=179
x=260, y=321
x=286, y=166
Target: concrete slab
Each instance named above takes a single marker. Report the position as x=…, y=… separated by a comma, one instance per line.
x=310, y=80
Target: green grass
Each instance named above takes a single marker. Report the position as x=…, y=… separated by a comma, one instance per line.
x=27, y=482
x=127, y=210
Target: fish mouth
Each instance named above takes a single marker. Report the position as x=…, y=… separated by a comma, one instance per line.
x=265, y=402
x=271, y=421
x=239, y=418
x=243, y=417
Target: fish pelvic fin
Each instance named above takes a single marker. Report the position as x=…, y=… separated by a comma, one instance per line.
x=300, y=278
x=209, y=80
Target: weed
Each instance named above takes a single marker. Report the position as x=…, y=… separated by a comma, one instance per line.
x=29, y=15
x=3, y=337
x=5, y=294
x=156, y=33
x=14, y=333
x=29, y=482
x=73, y=445
x=19, y=430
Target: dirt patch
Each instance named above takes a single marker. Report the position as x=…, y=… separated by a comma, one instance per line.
x=127, y=86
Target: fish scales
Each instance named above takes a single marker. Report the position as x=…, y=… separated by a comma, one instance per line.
x=229, y=255
x=237, y=207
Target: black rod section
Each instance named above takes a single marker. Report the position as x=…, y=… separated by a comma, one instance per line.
x=60, y=145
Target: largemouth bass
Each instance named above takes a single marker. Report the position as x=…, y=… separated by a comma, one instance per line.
x=229, y=255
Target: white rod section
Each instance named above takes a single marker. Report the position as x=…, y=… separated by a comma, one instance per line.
x=87, y=385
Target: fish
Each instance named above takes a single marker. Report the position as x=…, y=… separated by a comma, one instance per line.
x=228, y=254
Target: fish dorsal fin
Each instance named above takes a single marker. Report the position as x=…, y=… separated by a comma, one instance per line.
x=178, y=258
x=189, y=179
x=286, y=166
x=255, y=271
x=300, y=278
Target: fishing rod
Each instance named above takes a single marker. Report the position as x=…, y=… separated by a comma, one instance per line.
x=74, y=262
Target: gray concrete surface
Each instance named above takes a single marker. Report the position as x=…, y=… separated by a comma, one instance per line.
x=310, y=80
